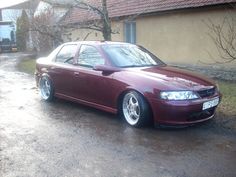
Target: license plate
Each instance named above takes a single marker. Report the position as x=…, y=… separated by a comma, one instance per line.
x=210, y=104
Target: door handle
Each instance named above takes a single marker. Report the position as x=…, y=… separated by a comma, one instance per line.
x=76, y=73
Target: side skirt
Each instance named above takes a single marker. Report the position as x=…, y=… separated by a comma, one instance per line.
x=87, y=103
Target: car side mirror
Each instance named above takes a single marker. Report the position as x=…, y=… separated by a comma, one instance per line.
x=106, y=69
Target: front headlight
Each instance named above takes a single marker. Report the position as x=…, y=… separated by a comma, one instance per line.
x=178, y=95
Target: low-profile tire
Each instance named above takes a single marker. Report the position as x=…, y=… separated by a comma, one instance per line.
x=46, y=89
x=135, y=109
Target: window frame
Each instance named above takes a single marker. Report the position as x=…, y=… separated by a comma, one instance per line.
x=88, y=66
x=73, y=60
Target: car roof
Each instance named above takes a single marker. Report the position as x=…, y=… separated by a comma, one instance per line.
x=97, y=42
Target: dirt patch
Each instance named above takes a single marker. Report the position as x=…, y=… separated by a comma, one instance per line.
x=225, y=121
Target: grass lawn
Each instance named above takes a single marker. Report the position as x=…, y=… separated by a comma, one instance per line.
x=27, y=66
x=228, y=89
x=228, y=104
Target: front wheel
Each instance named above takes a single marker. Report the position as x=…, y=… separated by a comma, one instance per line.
x=46, y=88
x=135, y=109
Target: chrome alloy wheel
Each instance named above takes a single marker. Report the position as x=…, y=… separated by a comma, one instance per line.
x=131, y=108
x=45, y=88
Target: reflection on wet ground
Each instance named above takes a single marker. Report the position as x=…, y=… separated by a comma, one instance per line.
x=67, y=139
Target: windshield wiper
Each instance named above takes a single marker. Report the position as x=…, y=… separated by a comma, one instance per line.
x=132, y=66
x=150, y=65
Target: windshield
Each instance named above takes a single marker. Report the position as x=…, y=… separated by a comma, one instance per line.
x=123, y=55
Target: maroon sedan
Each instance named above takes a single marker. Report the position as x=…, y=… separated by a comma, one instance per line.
x=127, y=79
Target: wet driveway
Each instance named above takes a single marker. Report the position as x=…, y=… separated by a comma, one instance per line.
x=42, y=139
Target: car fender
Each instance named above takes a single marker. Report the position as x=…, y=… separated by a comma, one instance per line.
x=46, y=75
x=128, y=89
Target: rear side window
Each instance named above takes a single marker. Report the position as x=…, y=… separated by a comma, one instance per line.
x=89, y=56
x=66, y=54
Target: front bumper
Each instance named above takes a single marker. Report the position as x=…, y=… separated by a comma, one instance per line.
x=181, y=112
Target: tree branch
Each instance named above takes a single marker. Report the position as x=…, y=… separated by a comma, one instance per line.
x=223, y=36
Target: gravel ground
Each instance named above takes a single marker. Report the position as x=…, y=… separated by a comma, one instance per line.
x=42, y=139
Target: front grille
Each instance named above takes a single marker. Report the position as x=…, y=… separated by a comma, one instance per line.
x=207, y=92
x=201, y=115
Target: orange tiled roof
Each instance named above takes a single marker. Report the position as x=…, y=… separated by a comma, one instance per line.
x=119, y=8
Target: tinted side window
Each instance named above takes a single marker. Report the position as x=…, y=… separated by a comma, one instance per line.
x=89, y=56
x=66, y=54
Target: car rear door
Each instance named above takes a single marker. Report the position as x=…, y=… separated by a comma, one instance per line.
x=62, y=70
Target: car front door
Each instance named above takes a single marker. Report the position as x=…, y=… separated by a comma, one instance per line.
x=92, y=86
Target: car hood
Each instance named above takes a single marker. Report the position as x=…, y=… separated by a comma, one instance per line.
x=173, y=78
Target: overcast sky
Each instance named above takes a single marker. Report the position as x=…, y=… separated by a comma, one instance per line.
x=7, y=3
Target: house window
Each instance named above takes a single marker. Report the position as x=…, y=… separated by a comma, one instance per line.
x=130, y=32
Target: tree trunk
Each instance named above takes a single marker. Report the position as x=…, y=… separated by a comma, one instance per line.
x=106, y=31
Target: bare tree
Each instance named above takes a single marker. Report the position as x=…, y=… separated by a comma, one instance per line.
x=46, y=29
x=99, y=18
x=96, y=18
x=45, y=24
x=43, y=32
x=101, y=22
x=223, y=36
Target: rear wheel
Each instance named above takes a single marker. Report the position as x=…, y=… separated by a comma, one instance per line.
x=135, y=109
x=46, y=88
